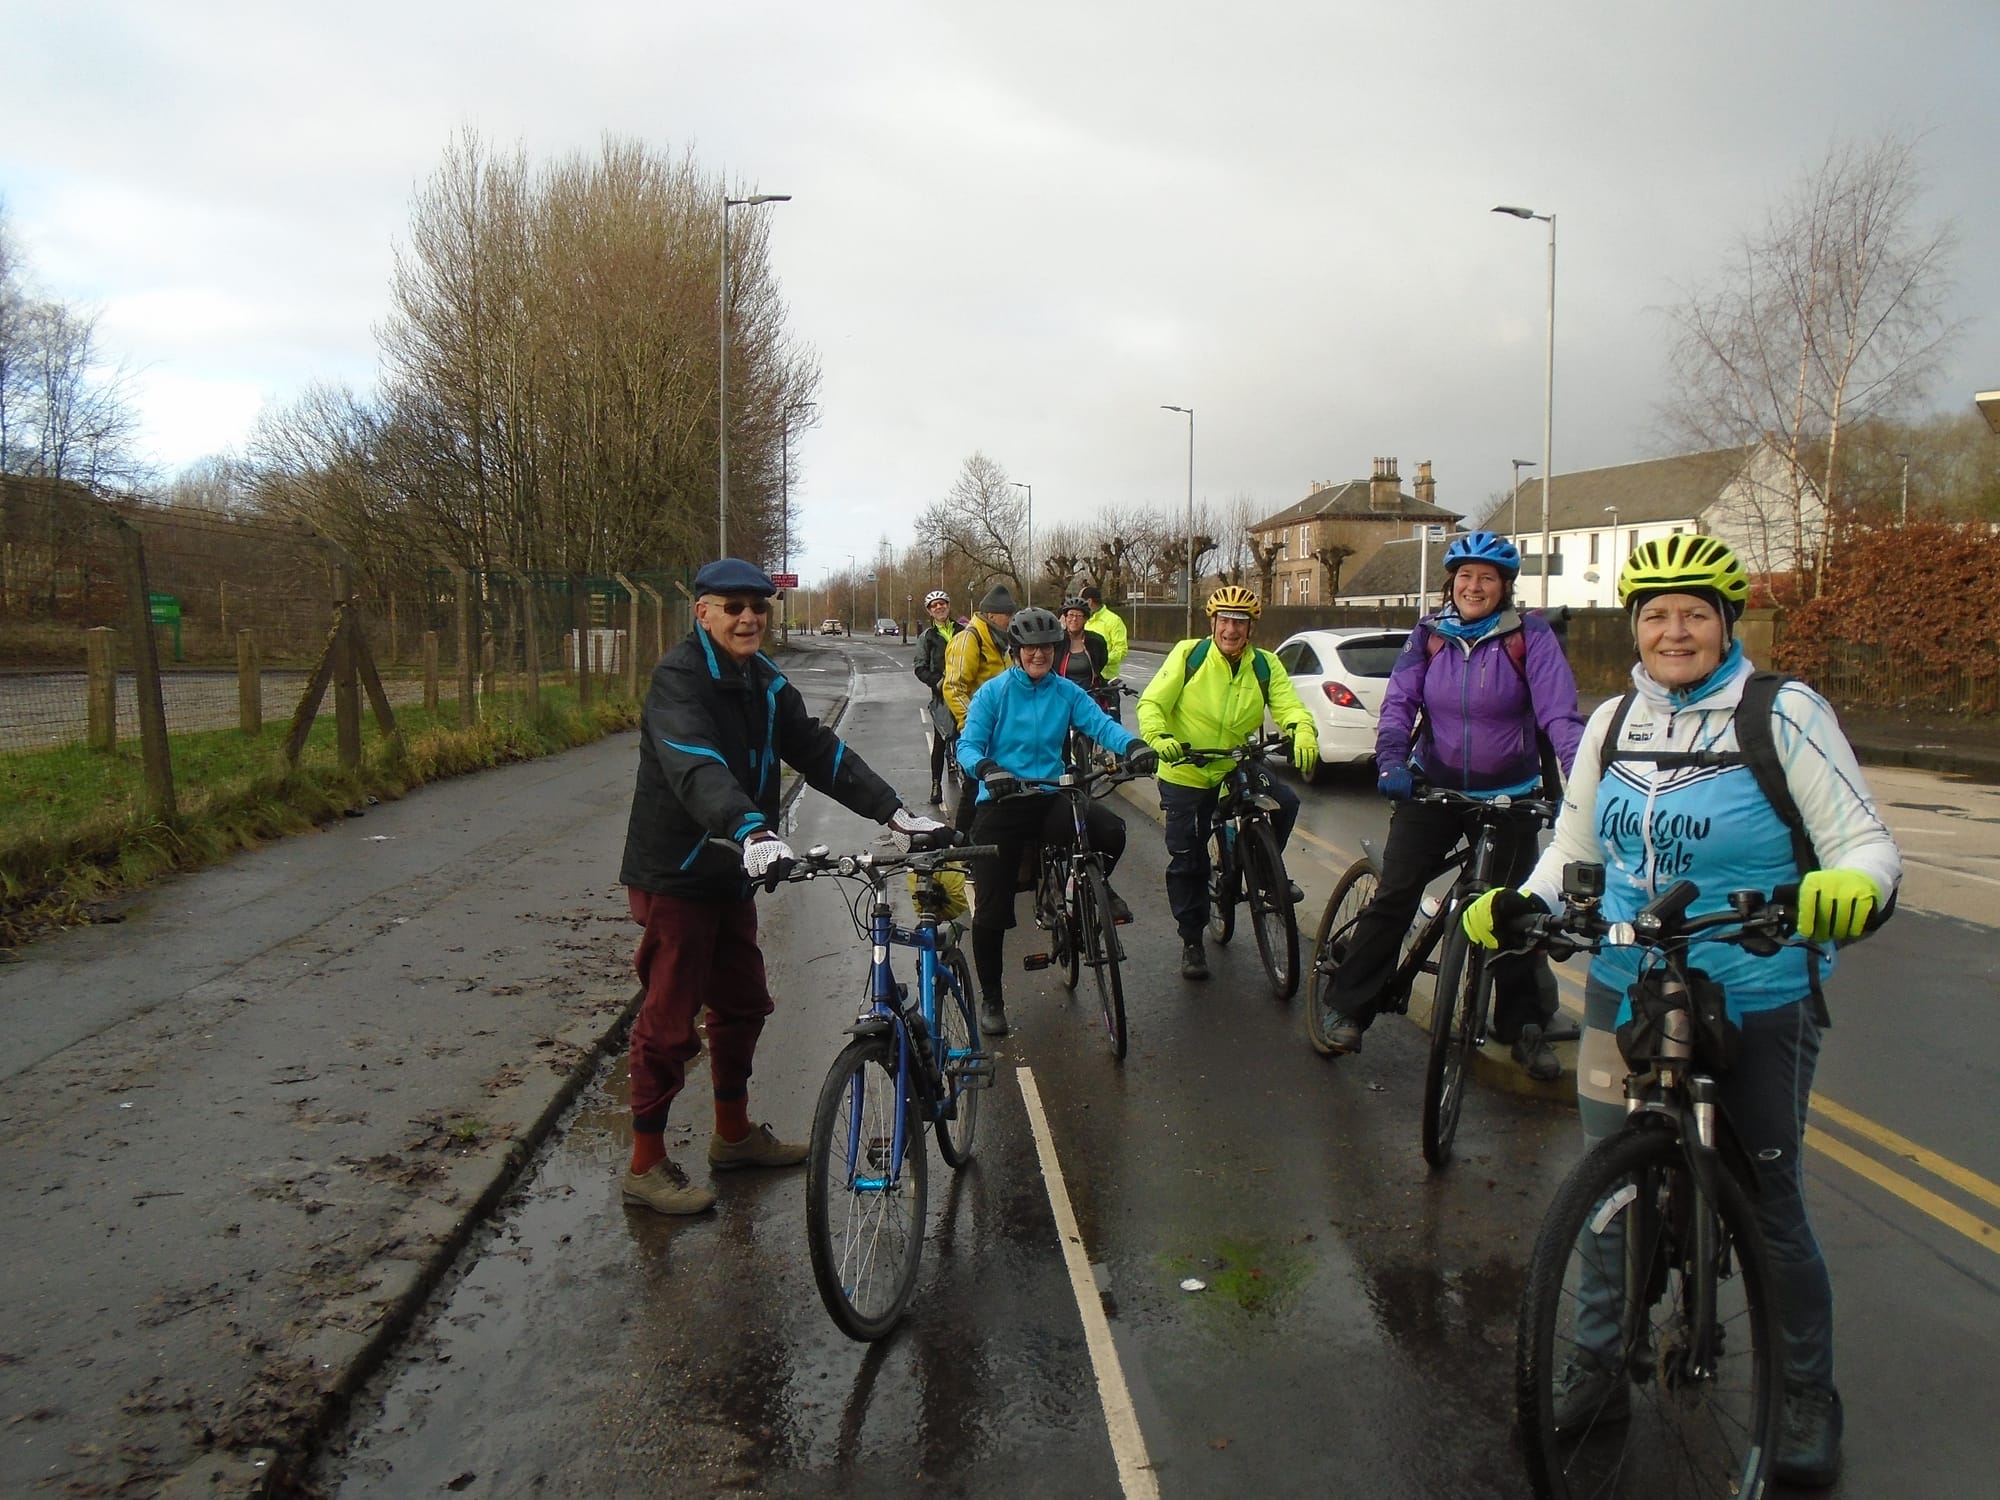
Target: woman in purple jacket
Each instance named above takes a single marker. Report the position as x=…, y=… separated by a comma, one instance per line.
x=1486, y=683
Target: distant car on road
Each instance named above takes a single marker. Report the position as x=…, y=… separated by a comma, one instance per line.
x=888, y=627
x=829, y=627
x=1341, y=676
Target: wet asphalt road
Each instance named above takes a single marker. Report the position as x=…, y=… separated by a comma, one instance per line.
x=1357, y=1331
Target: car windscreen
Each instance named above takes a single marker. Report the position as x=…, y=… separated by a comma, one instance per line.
x=1371, y=655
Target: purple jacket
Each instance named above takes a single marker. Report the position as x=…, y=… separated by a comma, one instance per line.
x=1481, y=708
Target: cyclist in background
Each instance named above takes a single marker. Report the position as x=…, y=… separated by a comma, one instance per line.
x=977, y=654
x=929, y=667
x=1487, y=684
x=1213, y=692
x=1111, y=630
x=1651, y=826
x=1014, y=732
x=1082, y=654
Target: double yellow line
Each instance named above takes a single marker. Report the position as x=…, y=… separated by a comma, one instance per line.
x=1895, y=1182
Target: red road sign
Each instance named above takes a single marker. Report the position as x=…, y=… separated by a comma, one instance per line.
x=785, y=580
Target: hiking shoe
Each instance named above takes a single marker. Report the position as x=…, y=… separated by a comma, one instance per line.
x=1293, y=893
x=664, y=1189
x=760, y=1148
x=1194, y=960
x=1120, y=912
x=1344, y=1033
x=1536, y=1057
x=1809, y=1446
x=1588, y=1395
x=992, y=1017
x=937, y=795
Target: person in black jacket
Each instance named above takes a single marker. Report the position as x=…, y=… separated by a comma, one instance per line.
x=929, y=667
x=718, y=720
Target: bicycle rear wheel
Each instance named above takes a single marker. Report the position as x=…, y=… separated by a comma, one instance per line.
x=1055, y=914
x=1351, y=895
x=1609, y=1403
x=1272, y=918
x=1224, y=882
x=958, y=1036
x=1100, y=939
x=1458, y=1012
x=864, y=1201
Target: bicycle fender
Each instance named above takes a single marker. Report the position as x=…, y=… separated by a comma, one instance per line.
x=1373, y=855
x=872, y=1025
x=1265, y=804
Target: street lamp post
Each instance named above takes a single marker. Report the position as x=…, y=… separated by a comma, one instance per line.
x=1028, y=578
x=1188, y=411
x=1905, y=513
x=1519, y=464
x=722, y=381
x=1548, y=386
x=785, y=496
x=852, y=569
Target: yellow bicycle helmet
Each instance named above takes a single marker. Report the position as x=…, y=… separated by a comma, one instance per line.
x=1685, y=563
x=1234, y=599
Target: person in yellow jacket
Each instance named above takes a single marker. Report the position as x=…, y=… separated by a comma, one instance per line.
x=1213, y=692
x=977, y=654
x=1104, y=624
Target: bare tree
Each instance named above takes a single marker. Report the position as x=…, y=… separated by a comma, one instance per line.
x=216, y=483
x=981, y=520
x=1330, y=558
x=1836, y=309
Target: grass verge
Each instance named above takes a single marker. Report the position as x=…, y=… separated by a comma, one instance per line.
x=70, y=836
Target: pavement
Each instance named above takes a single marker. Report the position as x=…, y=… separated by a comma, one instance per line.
x=247, y=1127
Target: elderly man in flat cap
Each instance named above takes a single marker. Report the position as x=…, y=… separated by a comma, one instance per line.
x=719, y=717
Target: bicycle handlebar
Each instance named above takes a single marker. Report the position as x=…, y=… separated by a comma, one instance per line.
x=1757, y=923
x=1542, y=808
x=1254, y=748
x=873, y=866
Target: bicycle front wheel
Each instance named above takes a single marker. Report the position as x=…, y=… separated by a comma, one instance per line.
x=1057, y=915
x=1351, y=895
x=1223, y=884
x=1100, y=940
x=864, y=1197
x=1272, y=919
x=1614, y=1397
x=1458, y=1012
x=958, y=1046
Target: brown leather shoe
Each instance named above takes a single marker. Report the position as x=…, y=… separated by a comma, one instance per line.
x=664, y=1189
x=760, y=1148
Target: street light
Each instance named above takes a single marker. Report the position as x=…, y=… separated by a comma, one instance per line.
x=852, y=569
x=1519, y=464
x=785, y=493
x=1906, y=489
x=1028, y=582
x=722, y=382
x=1188, y=632
x=1548, y=386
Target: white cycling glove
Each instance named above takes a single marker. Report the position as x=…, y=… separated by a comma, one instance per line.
x=915, y=831
x=768, y=858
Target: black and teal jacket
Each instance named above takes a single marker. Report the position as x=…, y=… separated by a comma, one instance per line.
x=714, y=734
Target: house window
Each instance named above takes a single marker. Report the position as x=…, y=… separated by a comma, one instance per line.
x=1593, y=546
x=1288, y=590
x=1305, y=588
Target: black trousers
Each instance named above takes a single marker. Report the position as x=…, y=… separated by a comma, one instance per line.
x=1017, y=826
x=1421, y=835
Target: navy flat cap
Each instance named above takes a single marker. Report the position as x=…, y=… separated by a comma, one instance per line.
x=732, y=575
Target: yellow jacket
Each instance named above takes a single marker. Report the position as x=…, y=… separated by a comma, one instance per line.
x=1109, y=626
x=1217, y=708
x=973, y=658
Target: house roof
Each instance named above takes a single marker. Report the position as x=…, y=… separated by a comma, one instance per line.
x=1655, y=489
x=1393, y=570
x=1350, y=501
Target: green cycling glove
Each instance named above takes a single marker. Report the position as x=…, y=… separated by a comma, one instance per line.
x=1493, y=916
x=1170, y=750
x=1835, y=905
x=1305, y=753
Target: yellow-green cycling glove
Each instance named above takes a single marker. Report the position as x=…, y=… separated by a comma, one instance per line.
x=1835, y=905
x=1492, y=918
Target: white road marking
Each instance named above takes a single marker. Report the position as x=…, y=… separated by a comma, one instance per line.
x=1128, y=1444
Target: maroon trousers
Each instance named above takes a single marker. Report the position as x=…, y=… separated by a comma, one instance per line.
x=694, y=954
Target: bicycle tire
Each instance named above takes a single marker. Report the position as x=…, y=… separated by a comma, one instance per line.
x=1351, y=895
x=1682, y=1435
x=1463, y=986
x=864, y=1214
x=1101, y=936
x=958, y=1037
x=1223, y=885
x=1273, y=922
x=1056, y=915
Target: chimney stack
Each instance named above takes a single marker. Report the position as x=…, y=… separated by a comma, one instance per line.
x=1385, y=490
x=1425, y=487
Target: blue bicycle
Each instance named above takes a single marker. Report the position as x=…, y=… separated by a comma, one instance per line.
x=911, y=1063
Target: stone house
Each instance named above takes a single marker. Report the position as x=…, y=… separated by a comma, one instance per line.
x=1350, y=521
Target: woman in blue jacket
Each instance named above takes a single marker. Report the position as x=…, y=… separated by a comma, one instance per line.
x=1015, y=727
x=1477, y=688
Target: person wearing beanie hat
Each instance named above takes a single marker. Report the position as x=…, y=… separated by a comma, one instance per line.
x=1663, y=791
x=976, y=655
x=718, y=717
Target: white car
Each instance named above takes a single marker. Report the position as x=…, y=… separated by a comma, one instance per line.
x=1341, y=675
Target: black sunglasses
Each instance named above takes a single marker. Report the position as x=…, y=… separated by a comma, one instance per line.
x=735, y=607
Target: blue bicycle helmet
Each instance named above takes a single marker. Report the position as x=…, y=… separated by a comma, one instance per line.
x=1484, y=546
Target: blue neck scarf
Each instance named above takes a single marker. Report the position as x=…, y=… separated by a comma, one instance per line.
x=1694, y=692
x=1448, y=623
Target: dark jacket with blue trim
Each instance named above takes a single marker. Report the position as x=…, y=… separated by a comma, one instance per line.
x=708, y=767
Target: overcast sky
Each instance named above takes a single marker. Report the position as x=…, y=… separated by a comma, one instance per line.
x=1017, y=228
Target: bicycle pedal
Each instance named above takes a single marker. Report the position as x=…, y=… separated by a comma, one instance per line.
x=1035, y=960
x=977, y=1071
